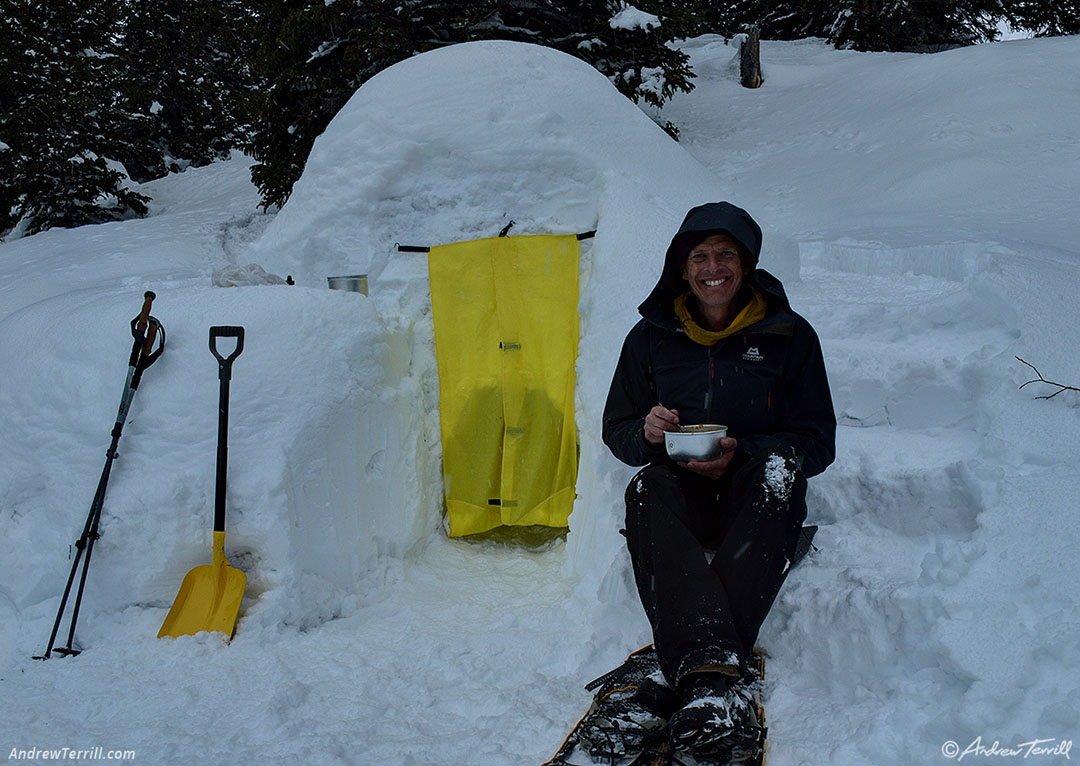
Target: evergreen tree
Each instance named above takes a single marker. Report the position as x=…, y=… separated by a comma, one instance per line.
x=1045, y=18
x=888, y=25
x=913, y=25
x=190, y=78
x=791, y=20
x=316, y=55
x=62, y=121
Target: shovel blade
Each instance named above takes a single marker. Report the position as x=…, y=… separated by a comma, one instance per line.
x=209, y=599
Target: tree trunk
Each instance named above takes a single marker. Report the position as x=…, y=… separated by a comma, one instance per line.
x=750, y=60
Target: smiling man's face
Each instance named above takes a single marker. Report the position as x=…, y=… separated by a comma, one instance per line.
x=714, y=271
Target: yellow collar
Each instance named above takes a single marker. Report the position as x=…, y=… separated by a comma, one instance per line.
x=752, y=312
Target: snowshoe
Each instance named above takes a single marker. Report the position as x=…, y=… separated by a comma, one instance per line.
x=627, y=721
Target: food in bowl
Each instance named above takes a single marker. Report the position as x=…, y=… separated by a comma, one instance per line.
x=697, y=442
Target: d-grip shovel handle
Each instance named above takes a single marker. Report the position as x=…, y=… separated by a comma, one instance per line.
x=224, y=375
x=225, y=362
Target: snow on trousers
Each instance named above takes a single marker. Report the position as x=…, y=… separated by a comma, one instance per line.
x=703, y=611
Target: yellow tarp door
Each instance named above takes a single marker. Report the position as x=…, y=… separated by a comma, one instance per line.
x=506, y=332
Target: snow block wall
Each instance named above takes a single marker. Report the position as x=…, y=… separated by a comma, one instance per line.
x=352, y=466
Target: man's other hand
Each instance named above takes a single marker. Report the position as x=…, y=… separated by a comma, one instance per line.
x=718, y=466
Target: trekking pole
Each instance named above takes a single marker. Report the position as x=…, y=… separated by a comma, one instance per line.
x=145, y=331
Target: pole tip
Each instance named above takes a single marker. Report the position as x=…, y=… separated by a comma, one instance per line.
x=149, y=294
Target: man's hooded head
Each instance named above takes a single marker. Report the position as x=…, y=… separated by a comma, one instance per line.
x=701, y=222
x=717, y=218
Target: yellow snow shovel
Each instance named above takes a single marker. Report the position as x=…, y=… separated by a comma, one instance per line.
x=210, y=596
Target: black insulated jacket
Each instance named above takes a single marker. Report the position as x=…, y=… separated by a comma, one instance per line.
x=766, y=382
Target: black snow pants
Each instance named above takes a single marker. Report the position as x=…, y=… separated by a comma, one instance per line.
x=706, y=613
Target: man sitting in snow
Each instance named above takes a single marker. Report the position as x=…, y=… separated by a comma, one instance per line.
x=717, y=343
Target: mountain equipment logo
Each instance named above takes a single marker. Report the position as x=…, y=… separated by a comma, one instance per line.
x=753, y=355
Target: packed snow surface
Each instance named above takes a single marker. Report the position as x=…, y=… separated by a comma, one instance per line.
x=921, y=212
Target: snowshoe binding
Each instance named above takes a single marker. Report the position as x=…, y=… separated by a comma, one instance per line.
x=722, y=720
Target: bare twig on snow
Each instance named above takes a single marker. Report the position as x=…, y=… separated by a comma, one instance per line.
x=1060, y=386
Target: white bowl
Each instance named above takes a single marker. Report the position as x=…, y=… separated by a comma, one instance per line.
x=701, y=442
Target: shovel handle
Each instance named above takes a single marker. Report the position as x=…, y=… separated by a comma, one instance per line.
x=224, y=375
x=226, y=332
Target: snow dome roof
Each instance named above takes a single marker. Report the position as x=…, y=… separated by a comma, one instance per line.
x=453, y=144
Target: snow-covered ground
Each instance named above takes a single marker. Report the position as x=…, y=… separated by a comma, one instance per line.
x=921, y=210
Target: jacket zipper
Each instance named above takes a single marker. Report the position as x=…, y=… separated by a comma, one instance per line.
x=709, y=387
